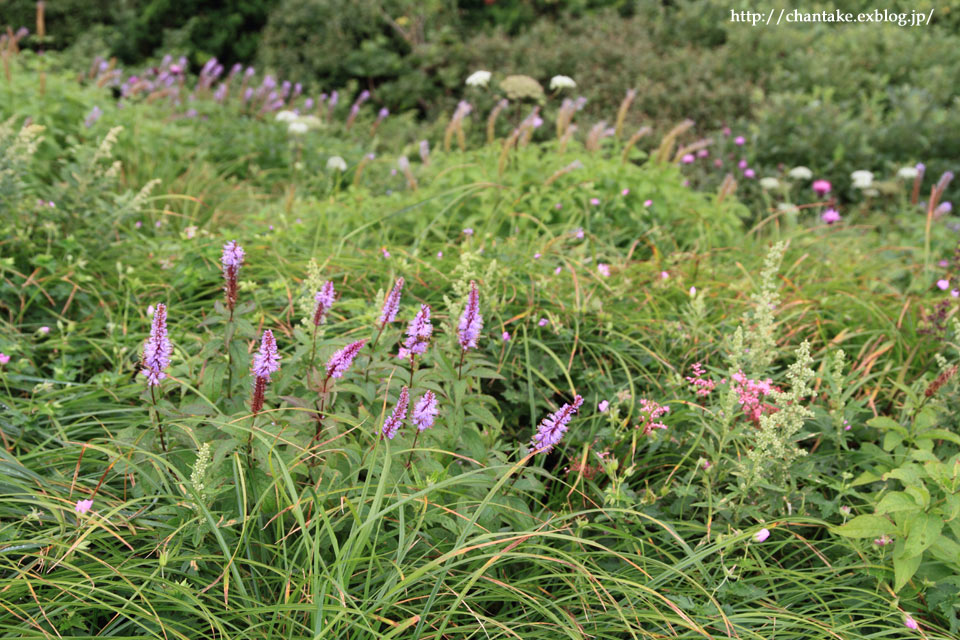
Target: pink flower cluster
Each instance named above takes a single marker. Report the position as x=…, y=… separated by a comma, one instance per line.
x=751, y=393
x=650, y=413
x=703, y=386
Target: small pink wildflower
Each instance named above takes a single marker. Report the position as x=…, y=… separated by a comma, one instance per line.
x=883, y=540
x=761, y=535
x=603, y=406
x=688, y=158
x=647, y=203
x=542, y=323
x=821, y=187
x=739, y=141
x=830, y=216
x=558, y=206
x=664, y=275
x=650, y=413
x=439, y=254
x=4, y=358
x=536, y=256
x=693, y=291
x=506, y=336
x=604, y=269
x=557, y=271
x=595, y=201
x=83, y=506
x=751, y=393
x=845, y=510
x=44, y=330
x=625, y=192
x=943, y=284
x=750, y=173
x=703, y=386
x=384, y=252
x=468, y=231
x=742, y=164
x=909, y=622
x=578, y=233
x=703, y=153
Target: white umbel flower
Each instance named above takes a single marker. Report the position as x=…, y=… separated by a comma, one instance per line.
x=769, y=183
x=336, y=163
x=562, y=82
x=800, y=173
x=479, y=79
x=286, y=116
x=297, y=128
x=862, y=179
x=908, y=173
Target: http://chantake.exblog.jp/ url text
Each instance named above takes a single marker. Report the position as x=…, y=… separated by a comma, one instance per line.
x=796, y=16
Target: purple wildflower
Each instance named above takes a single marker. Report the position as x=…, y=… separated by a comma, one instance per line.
x=418, y=333
x=341, y=360
x=392, y=424
x=553, y=427
x=83, y=506
x=761, y=535
x=425, y=411
x=93, y=116
x=324, y=301
x=830, y=216
x=4, y=358
x=231, y=262
x=267, y=360
x=157, y=349
x=471, y=322
x=909, y=622
x=391, y=303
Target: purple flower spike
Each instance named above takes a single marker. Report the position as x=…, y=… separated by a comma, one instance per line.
x=553, y=427
x=324, y=301
x=267, y=360
x=471, y=322
x=341, y=360
x=157, y=349
x=425, y=411
x=231, y=261
x=391, y=303
x=418, y=333
x=393, y=423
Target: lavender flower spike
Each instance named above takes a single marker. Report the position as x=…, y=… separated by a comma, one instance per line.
x=391, y=304
x=231, y=262
x=157, y=349
x=418, y=333
x=425, y=411
x=393, y=423
x=471, y=322
x=341, y=360
x=324, y=301
x=553, y=427
x=267, y=360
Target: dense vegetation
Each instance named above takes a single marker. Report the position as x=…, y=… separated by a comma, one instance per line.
x=761, y=363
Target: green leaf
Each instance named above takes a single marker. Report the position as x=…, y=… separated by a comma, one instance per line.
x=941, y=434
x=922, y=530
x=865, y=526
x=896, y=501
x=903, y=569
x=891, y=440
x=885, y=423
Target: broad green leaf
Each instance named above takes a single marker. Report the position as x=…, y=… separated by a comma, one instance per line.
x=922, y=530
x=865, y=526
x=885, y=423
x=903, y=569
x=896, y=501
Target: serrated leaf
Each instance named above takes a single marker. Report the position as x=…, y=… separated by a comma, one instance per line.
x=886, y=423
x=891, y=440
x=865, y=526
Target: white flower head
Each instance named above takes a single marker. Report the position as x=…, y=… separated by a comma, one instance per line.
x=286, y=116
x=336, y=163
x=298, y=128
x=800, y=173
x=908, y=173
x=769, y=183
x=562, y=82
x=479, y=79
x=787, y=207
x=862, y=179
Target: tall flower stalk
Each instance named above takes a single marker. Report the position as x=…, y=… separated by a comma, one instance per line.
x=337, y=365
x=418, y=338
x=391, y=305
x=323, y=302
x=230, y=262
x=551, y=429
x=265, y=362
x=156, y=358
x=471, y=322
x=391, y=426
x=424, y=413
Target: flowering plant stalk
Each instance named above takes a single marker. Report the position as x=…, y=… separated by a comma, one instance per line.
x=337, y=365
x=156, y=358
x=471, y=322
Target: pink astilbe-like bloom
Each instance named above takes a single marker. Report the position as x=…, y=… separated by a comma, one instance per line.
x=418, y=334
x=83, y=506
x=650, y=413
x=267, y=360
x=751, y=393
x=553, y=427
x=231, y=261
x=425, y=411
x=339, y=362
x=395, y=420
x=323, y=300
x=471, y=322
x=703, y=386
x=821, y=187
x=391, y=304
x=157, y=349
